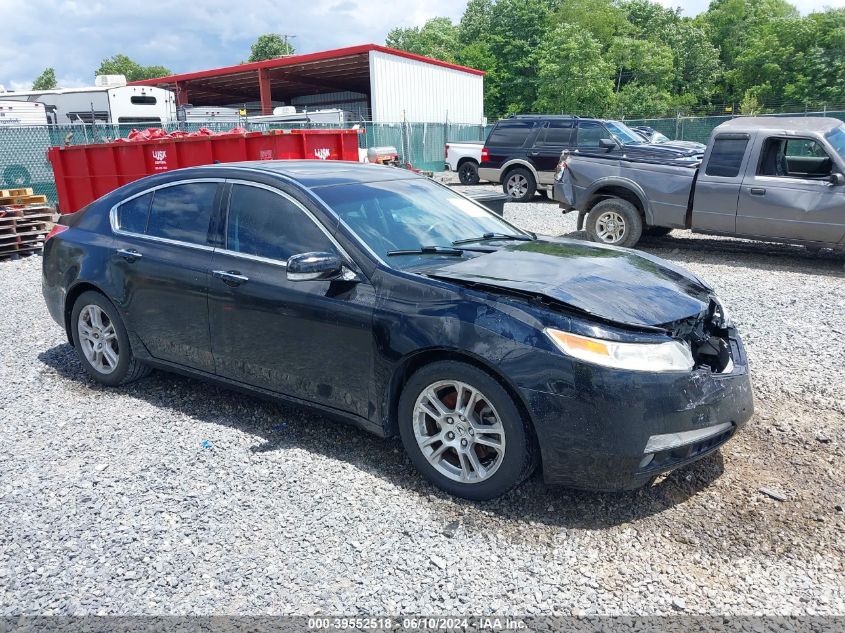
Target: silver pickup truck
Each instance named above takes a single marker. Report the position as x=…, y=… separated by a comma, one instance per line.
x=768, y=178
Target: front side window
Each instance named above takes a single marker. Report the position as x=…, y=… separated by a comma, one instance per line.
x=794, y=158
x=132, y=215
x=182, y=212
x=406, y=215
x=267, y=224
x=590, y=133
x=726, y=157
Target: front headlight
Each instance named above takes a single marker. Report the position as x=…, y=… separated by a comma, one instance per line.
x=668, y=356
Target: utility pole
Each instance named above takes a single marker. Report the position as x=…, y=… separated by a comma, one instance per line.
x=285, y=36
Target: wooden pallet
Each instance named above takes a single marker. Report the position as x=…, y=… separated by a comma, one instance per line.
x=15, y=193
x=22, y=199
x=23, y=229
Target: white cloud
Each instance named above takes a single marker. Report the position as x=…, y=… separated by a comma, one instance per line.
x=75, y=35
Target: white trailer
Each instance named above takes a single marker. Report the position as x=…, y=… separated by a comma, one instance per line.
x=17, y=114
x=110, y=101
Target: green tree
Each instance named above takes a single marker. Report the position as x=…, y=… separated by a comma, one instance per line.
x=476, y=22
x=795, y=60
x=46, y=80
x=133, y=71
x=574, y=76
x=269, y=46
x=438, y=38
x=733, y=26
x=604, y=19
x=517, y=31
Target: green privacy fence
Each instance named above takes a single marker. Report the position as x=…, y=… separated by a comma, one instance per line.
x=700, y=128
x=23, y=150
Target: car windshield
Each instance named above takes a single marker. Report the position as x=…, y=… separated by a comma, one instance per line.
x=659, y=138
x=623, y=133
x=837, y=140
x=409, y=215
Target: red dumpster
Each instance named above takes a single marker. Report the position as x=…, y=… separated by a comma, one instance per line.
x=85, y=172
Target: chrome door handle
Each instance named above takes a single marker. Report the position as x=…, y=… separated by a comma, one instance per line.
x=129, y=254
x=230, y=277
x=758, y=191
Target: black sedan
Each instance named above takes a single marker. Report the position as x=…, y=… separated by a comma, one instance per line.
x=390, y=300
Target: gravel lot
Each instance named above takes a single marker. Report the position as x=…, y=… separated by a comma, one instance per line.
x=172, y=496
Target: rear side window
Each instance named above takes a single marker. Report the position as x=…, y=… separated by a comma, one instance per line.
x=182, y=212
x=132, y=215
x=726, y=157
x=556, y=133
x=267, y=224
x=590, y=133
x=510, y=133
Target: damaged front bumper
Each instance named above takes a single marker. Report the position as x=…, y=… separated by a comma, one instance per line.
x=605, y=429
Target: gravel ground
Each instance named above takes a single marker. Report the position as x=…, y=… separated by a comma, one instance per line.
x=171, y=496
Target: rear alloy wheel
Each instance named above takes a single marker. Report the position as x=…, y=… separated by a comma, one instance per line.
x=615, y=221
x=468, y=173
x=520, y=185
x=101, y=342
x=463, y=431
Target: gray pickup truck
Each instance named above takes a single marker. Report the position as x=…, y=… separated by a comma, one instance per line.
x=768, y=178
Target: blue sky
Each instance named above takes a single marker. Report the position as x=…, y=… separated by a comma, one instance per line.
x=73, y=36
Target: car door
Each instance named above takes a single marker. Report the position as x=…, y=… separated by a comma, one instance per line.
x=555, y=137
x=789, y=194
x=160, y=266
x=311, y=340
x=718, y=184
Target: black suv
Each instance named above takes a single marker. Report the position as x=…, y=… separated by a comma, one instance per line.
x=522, y=152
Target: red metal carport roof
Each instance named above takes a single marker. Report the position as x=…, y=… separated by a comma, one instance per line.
x=335, y=70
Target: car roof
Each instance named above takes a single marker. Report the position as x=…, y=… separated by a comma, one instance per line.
x=780, y=125
x=322, y=173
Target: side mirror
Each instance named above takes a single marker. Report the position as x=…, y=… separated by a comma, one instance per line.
x=837, y=179
x=314, y=267
x=607, y=143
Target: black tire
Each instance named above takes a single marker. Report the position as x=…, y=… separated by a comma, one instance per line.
x=468, y=173
x=127, y=367
x=632, y=223
x=657, y=231
x=519, y=184
x=519, y=456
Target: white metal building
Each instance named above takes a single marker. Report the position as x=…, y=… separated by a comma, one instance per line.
x=373, y=82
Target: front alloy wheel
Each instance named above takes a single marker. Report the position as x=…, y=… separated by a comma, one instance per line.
x=459, y=431
x=464, y=431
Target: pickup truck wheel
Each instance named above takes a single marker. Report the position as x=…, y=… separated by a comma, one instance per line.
x=468, y=173
x=615, y=221
x=657, y=231
x=519, y=185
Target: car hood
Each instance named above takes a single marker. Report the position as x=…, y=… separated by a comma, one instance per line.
x=613, y=284
x=660, y=151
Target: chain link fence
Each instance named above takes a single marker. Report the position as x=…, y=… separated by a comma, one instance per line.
x=23, y=150
x=699, y=128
